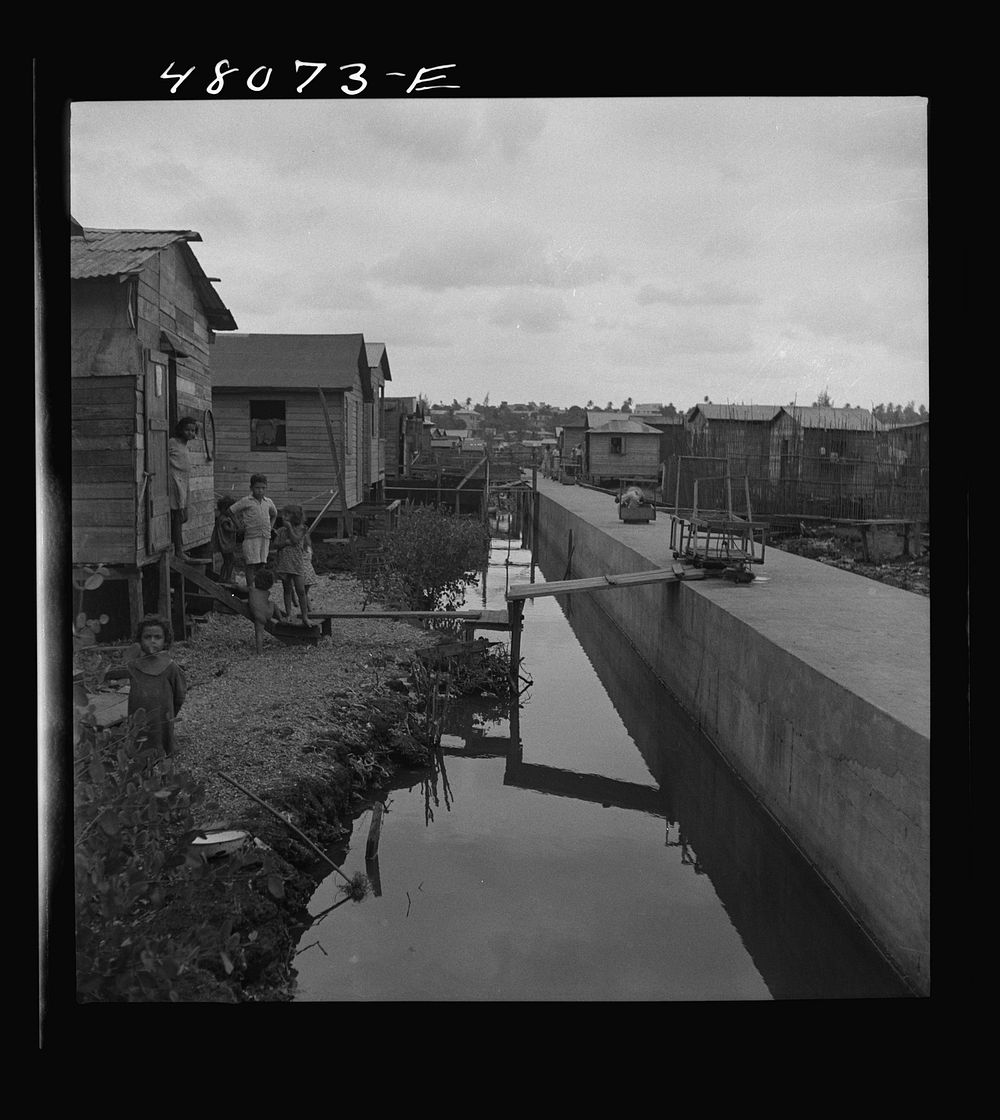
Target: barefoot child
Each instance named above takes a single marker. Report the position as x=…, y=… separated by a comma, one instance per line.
x=157, y=682
x=291, y=565
x=226, y=536
x=258, y=514
x=262, y=610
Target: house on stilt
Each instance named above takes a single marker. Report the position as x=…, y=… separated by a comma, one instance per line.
x=143, y=316
x=270, y=419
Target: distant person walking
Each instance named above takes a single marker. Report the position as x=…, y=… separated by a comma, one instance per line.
x=179, y=483
x=257, y=514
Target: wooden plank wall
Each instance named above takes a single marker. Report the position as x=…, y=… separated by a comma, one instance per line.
x=304, y=469
x=105, y=414
x=641, y=458
x=168, y=300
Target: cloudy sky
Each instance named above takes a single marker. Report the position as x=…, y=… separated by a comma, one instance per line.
x=748, y=249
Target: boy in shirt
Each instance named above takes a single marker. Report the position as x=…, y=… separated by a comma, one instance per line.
x=258, y=514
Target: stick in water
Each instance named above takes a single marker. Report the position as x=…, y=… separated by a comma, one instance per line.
x=301, y=835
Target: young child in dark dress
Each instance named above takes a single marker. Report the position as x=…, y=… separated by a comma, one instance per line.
x=158, y=685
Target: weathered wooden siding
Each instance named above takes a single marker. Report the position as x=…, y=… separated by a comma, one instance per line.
x=105, y=415
x=105, y=424
x=303, y=472
x=109, y=358
x=167, y=286
x=641, y=458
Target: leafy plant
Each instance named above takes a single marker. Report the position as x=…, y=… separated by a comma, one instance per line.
x=430, y=558
x=139, y=885
x=85, y=630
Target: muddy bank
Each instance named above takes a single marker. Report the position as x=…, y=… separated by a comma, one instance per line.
x=312, y=730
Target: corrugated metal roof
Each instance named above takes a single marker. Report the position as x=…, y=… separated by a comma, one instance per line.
x=848, y=419
x=96, y=254
x=742, y=412
x=289, y=361
x=117, y=252
x=595, y=417
x=621, y=427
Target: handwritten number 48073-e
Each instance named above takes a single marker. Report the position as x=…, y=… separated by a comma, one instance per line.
x=257, y=80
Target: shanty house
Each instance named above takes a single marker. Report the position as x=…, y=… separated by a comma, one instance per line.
x=758, y=440
x=373, y=435
x=841, y=433
x=909, y=444
x=143, y=316
x=406, y=434
x=270, y=420
x=621, y=448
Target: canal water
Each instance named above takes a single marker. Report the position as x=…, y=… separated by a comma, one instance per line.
x=589, y=845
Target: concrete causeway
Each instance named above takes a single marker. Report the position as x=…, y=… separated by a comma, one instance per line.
x=814, y=683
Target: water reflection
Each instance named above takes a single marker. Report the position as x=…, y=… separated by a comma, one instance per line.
x=523, y=864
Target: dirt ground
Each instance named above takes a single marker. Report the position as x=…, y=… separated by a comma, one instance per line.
x=840, y=550
x=312, y=730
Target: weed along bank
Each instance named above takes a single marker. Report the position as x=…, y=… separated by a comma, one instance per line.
x=813, y=684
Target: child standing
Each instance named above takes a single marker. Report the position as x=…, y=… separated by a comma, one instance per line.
x=226, y=536
x=262, y=610
x=258, y=515
x=291, y=565
x=157, y=682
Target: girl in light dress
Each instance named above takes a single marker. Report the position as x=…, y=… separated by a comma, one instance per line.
x=292, y=564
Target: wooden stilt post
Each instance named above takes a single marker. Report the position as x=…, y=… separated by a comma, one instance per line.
x=339, y=474
x=163, y=596
x=515, y=610
x=135, y=602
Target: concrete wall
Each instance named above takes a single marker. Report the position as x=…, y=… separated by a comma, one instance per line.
x=846, y=779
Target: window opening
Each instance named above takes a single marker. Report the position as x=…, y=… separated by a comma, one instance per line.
x=267, y=425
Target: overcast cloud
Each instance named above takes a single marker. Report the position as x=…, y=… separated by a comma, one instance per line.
x=745, y=249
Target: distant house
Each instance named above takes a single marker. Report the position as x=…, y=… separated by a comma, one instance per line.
x=758, y=440
x=143, y=317
x=373, y=434
x=644, y=411
x=445, y=438
x=673, y=438
x=621, y=448
x=469, y=418
x=269, y=417
x=845, y=433
x=909, y=444
x=407, y=434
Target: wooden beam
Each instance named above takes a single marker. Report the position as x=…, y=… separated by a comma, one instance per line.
x=210, y=586
x=336, y=460
x=470, y=473
x=522, y=591
x=397, y=614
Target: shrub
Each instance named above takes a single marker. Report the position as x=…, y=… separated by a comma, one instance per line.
x=430, y=558
x=135, y=870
